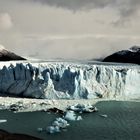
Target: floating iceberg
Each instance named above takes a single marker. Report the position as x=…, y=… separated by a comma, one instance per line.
x=70, y=116
x=53, y=129
x=103, y=115
x=3, y=121
x=83, y=108
x=57, y=125
x=60, y=122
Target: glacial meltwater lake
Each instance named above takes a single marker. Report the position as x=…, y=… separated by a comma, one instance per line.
x=122, y=123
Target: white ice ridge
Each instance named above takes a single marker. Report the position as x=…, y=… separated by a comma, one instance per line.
x=69, y=80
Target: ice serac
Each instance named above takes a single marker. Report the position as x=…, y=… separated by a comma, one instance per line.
x=67, y=80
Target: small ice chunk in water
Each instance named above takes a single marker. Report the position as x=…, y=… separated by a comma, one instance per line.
x=3, y=121
x=83, y=108
x=103, y=115
x=70, y=116
x=53, y=129
x=79, y=118
x=39, y=129
x=57, y=125
x=60, y=122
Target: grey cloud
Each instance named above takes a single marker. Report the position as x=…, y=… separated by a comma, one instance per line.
x=78, y=47
x=78, y=4
x=126, y=8
x=48, y=27
x=129, y=8
x=5, y=21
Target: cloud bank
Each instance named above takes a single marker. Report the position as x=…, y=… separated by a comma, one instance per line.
x=5, y=21
x=126, y=8
x=80, y=29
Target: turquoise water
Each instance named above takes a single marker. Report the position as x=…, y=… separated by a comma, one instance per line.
x=122, y=123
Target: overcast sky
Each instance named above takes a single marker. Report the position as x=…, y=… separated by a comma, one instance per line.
x=79, y=29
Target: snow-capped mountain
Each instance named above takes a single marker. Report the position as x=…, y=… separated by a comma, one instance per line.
x=131, y=55
x=6, y=55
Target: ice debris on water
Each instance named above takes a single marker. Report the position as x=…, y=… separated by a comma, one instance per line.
x=71, y=116
x=79, y=118
x=103, y=115
x=57, y=125
x=3, y=121
x=56, y=110
x=53, y=129
x=39, y=129
x=81, y=108
x=16, y=107
x=62, y=123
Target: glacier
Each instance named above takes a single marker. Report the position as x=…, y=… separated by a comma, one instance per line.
x=69, y=80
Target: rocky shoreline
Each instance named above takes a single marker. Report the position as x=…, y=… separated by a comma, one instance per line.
x=4, y=135
x=30, y=105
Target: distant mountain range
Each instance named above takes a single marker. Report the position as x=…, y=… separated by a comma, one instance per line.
x=6, y=55
x=131, y=55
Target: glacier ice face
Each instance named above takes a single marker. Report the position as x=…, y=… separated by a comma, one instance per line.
x=67, y=80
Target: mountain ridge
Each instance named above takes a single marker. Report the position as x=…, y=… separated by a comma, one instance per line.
x=131, y=55
x=6, y=55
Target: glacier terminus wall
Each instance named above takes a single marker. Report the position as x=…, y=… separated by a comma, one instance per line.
x=69, y=80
